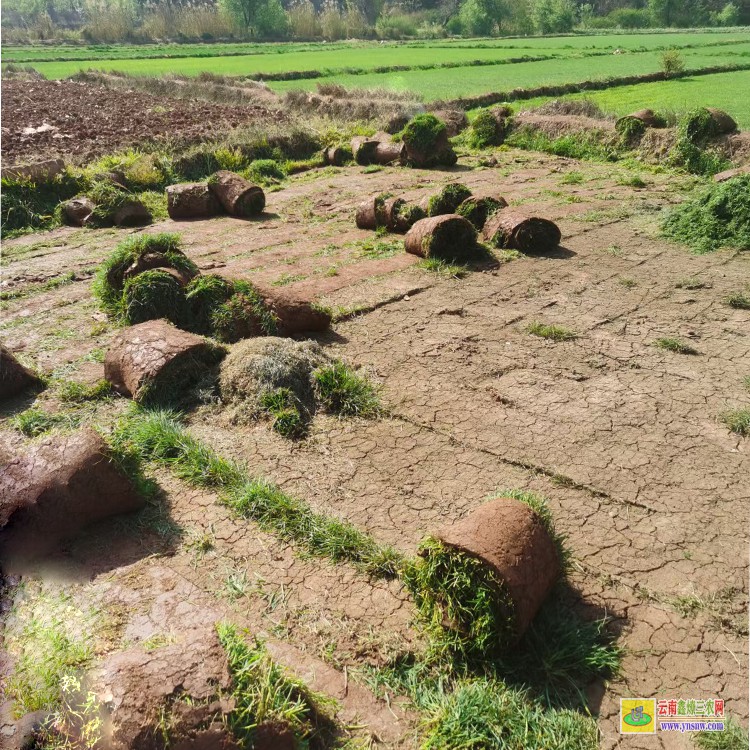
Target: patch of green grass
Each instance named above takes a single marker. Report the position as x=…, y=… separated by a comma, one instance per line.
x=73, y=392
x=263, y=693
x=734, y=737
x=283, y=406
x=719, y=216
x=739, y=301
x=204, y=294
x=738, y=421
x=585, y=147
x=635, y=182
x=551, y=332
x=344, y=392
x=628, y=283
x=692, y=283
x=158, y=436
x=444, y=268
x=572, y=178
x=288, y=278
x=672, y=344
x=376, y=249
x=34, y=422
x=51, y=640
x=56, y=283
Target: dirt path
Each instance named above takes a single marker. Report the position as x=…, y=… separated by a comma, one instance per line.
x=621, y=436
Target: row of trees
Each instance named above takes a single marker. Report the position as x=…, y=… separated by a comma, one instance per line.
x=118, y=20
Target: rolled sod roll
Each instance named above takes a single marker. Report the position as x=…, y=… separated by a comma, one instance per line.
x=238, y=196
x=511, y=540
x=379, y=211
x=724, y=121
x=647, y=116
x=78, y=210
x=132, y=213
x=192, y=201
x=479, y=208
x=151, y=261
x=387, y=152
x=513, y=230
x=150, y=360
x=367, y=214
x=293, y=314
x=335, y=156
x=449, y=237
x=55, y=489
x=364, y=150
x=14, y=377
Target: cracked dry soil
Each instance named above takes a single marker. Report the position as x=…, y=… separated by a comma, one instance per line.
x=649, y=487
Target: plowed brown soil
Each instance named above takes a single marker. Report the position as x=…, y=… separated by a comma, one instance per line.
x=622, y=437
x=43, y=119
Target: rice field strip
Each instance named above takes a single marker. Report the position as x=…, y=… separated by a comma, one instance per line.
x=485, y=100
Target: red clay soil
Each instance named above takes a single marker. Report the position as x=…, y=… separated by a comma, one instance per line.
x=87, y=120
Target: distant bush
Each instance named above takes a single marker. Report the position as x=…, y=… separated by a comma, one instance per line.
x=672, y=62
x=396, y=26
x=629, y=18
x=303, y=21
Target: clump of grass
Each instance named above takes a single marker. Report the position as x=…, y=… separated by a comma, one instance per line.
x=572, y=178
x=627, y=282
x=487, y=129
x=692, y=283
x=719, y=216
x=243, y=314
x=738, y=421
x=672, y=344
x=76, y=393
x=444, y=268
x=34, y=422
x=265, y=172
x=734, y=737
x=691, y=151
x=342, y=391
x=739, y=301
x=448, y=199
x=635, y=182
x=151, y=295
x=281, y=404
x=410, y=213
x=551, y=332
x=264, y=694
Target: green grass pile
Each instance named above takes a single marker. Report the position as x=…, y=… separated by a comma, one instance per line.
x=738, y=421
x=109, y=283
x=77, y=393
x=282, y=406
x=448, y=199
x=152, y=295
x=486, y=130
x=264, y=694
x=34, y=422
x=691, y=150
x=265, y=172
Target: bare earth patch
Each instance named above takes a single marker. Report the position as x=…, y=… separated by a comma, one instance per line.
x=622, y=436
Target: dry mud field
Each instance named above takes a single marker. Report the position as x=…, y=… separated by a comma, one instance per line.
x=622, y=437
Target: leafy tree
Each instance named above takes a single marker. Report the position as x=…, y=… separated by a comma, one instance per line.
x=554, y=16
x=260, y=17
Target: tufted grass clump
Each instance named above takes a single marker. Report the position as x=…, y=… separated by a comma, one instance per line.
x=675, y=345
x=551, y=332
x=739, y=301
x=342, y=391
x=283, y=407
x=73, y=392
x=738, y=421
x=719, y=216
x=486, y=130
x=264, y=694
x=204, y=294
x=34, y=421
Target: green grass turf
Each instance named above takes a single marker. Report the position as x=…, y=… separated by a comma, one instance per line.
x=434, y=83
x=471, y=81
x=720, y=90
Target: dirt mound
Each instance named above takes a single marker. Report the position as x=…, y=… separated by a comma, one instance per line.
x=14, y=377
x=264, y=365
x=173, y=696
x=155, y=360
x=56, y=489
x=509, y=537
x=87, y=120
